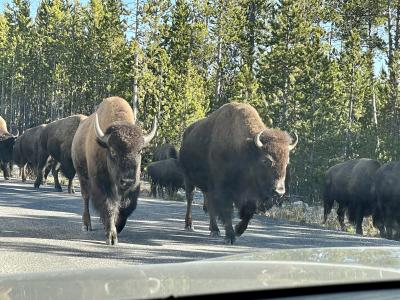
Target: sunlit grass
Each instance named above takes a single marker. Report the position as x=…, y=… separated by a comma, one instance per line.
x=301, y=212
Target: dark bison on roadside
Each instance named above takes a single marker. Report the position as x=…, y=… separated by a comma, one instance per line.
x=7, y=141
x=387, y=190
x=106, y=153
x=349, y=184
x=165, y=174
x=234, y=159
x=165, y=151
x=56, y=140
x=26, y=153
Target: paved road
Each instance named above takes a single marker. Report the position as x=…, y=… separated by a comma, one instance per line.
x=41, y=231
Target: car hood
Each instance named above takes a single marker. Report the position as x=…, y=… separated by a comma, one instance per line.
x=252, y=271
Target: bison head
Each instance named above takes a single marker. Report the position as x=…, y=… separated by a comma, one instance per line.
x=124, y=143
x=6, y=147
x=270, y=162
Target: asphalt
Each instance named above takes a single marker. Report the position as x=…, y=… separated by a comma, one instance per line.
x=41, y=231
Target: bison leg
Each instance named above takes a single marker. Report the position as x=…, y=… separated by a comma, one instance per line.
x=153, y=190
x=225, y=210
x=40, y=166
x=22, y=171
x=377, y=219
x=230, y=237
x=56, y=170
x=359, y=220
x=71, y=189
x=214, y=230
x=110, y=218
x=340, y=214
x=87, y=224
x=6, y=173
x=47, y=170
x=189, y=199
x=205, y=203
x=246, y=213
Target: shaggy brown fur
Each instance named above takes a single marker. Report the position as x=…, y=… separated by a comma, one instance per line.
x=219, y=156
x=109, y=168
x=56, y=141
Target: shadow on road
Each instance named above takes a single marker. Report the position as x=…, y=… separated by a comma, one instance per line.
x=46, y=222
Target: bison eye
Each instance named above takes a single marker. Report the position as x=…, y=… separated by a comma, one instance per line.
x=113, y=153
x=269, y=160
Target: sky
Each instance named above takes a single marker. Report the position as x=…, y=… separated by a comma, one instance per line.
x=379, y=60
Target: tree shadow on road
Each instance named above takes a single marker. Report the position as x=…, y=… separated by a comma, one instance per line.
x=50, y=223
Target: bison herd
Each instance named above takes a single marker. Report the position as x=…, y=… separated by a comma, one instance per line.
x=363, y=187
x=231, y=156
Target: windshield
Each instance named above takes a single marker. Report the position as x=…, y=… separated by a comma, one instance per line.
x=146, y=132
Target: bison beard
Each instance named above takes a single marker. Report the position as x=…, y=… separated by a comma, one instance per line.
x=235, y=161
x=108, y=164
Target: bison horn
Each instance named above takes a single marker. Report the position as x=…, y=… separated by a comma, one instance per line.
x=257, y=141
x=294, y=142
x=150, y=136
x=99, y=133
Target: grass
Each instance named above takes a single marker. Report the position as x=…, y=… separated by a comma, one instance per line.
x=303, y=213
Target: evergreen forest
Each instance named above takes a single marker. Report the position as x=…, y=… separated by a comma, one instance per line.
x=326, y=69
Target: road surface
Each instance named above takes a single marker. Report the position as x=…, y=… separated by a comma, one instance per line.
x=41, y=231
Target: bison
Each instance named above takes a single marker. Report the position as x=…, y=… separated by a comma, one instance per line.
x=165, y=151
x=349, y=183
x=7, y=141
x=387, y=190
x=26, y=153
x=165, y=173
x=56, y=140
x=234, y=159
x=106, y=153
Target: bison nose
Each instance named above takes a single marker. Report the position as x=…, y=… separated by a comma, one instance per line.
x=126, y=182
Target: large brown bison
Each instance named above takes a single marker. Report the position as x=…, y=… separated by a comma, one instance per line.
x=7, y=141
x=235, y=160
x=387, y=190
x=106, y=152
x=26, y=153
x=349, y=184
x=165, y=174
x=56, y=141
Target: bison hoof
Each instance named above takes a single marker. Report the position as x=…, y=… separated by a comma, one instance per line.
x=230, y=240
x=71, y=191
x=113, y=240
x=58, y=188
x=87, y=227
x=189, y=228
x=215, y=234
x=6, y=178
